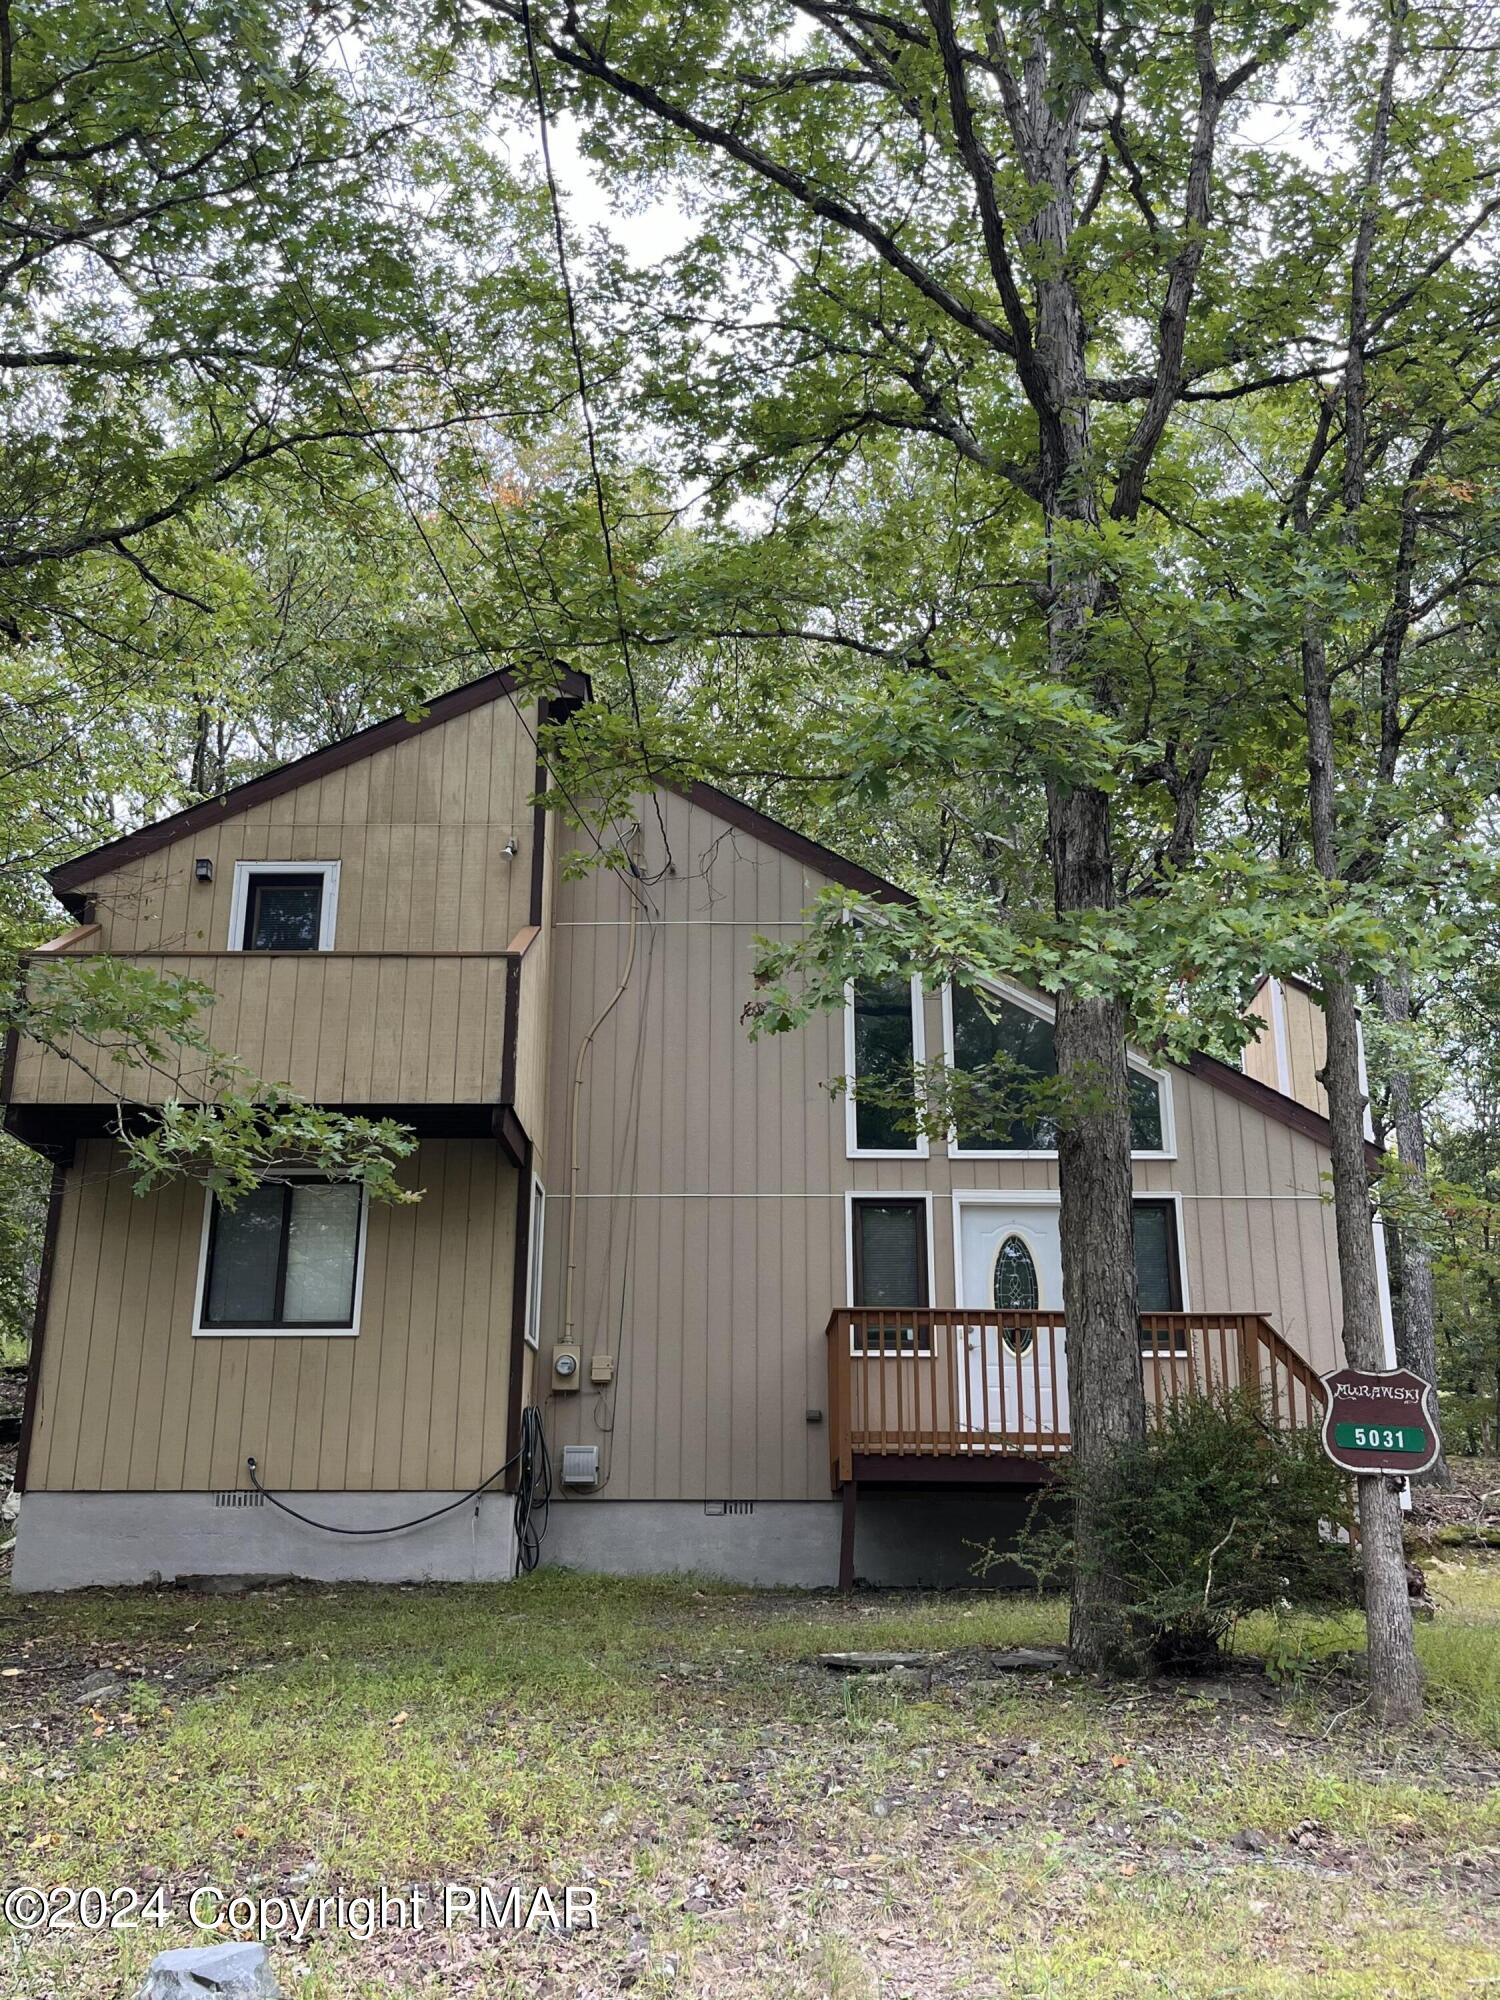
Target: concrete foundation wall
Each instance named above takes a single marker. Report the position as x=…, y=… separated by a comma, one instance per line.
x=921, y=1540
x=67, y=1541
x=915, y=1540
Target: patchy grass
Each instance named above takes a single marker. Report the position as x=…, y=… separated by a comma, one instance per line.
x=1459, y=1649
x=754, y=1825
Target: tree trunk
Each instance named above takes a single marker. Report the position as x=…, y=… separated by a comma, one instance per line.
x=1395, y=1678
x=1106, y=1392
x=1416, y=1329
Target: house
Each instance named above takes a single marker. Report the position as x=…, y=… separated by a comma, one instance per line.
x=770, y=1333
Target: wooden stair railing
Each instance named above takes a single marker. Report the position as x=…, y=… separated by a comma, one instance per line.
x=953, y=1382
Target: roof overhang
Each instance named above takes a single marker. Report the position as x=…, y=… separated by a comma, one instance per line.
x=70, y=879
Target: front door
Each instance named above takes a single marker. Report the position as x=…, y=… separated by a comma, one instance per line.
x=1010, y=1256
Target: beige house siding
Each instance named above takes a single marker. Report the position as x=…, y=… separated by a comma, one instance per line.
x=340, y=1027
x=708, y=1194
x=532, y=988
x=1293, y=1045
x=712, y=1171
x=419, y=829
x=130, y=1400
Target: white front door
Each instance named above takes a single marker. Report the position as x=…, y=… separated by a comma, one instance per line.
x=1010, y=1254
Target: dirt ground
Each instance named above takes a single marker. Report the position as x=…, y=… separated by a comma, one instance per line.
x=1472, y=1501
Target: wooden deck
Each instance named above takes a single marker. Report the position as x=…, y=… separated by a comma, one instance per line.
x=949, y=1393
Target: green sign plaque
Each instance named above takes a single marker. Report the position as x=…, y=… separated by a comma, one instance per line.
x=1380, y=1437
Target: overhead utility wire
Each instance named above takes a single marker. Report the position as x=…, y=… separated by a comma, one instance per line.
x=575, y=343
x=544, y=649
x=463, y=611
x=633, y=875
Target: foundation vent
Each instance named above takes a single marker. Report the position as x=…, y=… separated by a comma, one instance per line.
x=237, y=1498
x=728, y=1507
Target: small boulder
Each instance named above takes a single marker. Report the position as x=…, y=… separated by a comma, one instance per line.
x=211, y=1972
x=1030, y=1660
x=871, y=1663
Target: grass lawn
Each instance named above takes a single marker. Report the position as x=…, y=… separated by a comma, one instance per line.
x=754, y=1824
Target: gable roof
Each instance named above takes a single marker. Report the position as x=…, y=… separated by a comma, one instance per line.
x=810, y=852
x=68, y=880
x=69, y=877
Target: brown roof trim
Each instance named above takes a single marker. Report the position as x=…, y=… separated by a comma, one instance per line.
x=70, y=875
x=67, y=878
x=1261, y=1097
x=786, y=841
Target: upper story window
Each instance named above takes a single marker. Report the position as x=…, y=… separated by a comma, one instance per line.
x=287, y=1258
x=1013, y=1046
x=883, y=1047
x=283, y=905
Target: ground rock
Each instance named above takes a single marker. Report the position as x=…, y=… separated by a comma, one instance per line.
x=211, y=1972
x=1030, y=1660
x=870, y=1663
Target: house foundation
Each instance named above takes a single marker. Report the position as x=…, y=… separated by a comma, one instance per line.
x=906, y=1539
x=68, y=1541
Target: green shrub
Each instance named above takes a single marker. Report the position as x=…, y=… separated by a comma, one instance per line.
x=1213, y=1515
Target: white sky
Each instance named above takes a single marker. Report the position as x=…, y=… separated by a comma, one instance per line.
x=656, y=231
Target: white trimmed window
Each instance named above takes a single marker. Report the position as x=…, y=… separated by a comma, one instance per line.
x=283, y=905
x=1009, y=1036
x=883, y=1048
x=889, y=1251
x=531, y=1330
x=287, y=1258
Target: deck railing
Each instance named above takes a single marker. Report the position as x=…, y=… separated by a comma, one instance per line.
x=957, y=1383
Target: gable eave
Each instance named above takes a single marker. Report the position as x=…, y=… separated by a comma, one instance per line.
x=69, y=879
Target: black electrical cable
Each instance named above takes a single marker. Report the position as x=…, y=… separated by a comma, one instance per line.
x=575, y=342
x=533, y=1490
x=524, y=1457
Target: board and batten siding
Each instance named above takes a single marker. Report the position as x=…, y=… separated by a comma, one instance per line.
x=710, y=1234
x=1293, y=1045
x=340, y=1027
x=419, y=829
x=131, y=1401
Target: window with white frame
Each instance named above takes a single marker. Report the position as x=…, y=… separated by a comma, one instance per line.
x=283, y=905
x=1010, y=1053
x=1158, y=1254
x=889, y=1266
x=884, y=1046
x=287, y=1258
x=531, y=1331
